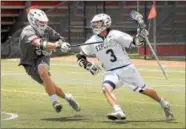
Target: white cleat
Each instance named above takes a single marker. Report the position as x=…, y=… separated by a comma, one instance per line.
x=116, y=115
x=73, y=103
x=168, y=112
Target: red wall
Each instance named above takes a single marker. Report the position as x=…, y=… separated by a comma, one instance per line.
x=166, y=50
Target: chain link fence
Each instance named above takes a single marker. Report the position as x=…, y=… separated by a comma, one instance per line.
x=72, y=20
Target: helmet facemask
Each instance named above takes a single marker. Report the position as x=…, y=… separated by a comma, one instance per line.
x=41, y=26
x=38, y=20
x=97, y=27
x=100, y=22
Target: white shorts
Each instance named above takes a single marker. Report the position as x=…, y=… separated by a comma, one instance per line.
x=128, y=76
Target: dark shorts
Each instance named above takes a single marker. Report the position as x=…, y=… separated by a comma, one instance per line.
x=33, y=70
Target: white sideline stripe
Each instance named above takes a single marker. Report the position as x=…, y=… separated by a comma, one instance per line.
x=140, y=69
x=11, y=116
x=156, y=70
x=85, y=97
x=73, y=72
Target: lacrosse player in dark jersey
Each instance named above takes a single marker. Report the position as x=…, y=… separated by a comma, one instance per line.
x=37, y=41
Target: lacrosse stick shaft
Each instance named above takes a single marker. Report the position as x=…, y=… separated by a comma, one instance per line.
x=152, y=50
x=78, y=45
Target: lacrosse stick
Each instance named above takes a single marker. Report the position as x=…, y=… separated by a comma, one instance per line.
x=78, y=45
x=139, y=19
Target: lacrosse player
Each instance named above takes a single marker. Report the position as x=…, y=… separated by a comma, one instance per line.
x=37, y=41
x=118, y=67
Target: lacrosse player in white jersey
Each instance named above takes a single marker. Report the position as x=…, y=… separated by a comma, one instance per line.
x=119, y=70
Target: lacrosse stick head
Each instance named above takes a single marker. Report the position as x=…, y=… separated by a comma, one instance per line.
x=136, y=16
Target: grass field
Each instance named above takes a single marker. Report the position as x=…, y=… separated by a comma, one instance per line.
x=27, y=99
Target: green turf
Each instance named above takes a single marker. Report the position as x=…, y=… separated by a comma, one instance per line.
x=23, y=96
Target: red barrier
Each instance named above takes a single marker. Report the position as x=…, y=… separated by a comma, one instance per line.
x=166, y=50
x=111, y=3
x=10, y=11
x=6, y=19
x=46, y=3
x=12, y=3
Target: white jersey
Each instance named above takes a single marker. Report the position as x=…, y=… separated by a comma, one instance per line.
x=111, y=53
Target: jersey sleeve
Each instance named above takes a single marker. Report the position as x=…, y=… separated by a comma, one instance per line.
x=27, y=36
x=124, y=39
x=53, y=35
x=88, y=49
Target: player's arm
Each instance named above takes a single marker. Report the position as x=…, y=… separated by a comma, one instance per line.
x=45, y=45
x=128, y=41
x=30, y=37
x=138, y=40
x=54, y=36
x=83, y=62
x=60, y=42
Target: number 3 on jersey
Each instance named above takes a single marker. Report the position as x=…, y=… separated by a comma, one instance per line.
x=113, y=57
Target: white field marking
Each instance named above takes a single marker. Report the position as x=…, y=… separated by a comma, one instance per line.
x=73, y=72
x=158, y=70
x=140, y=69
x=11, y=116
x=93, y=82
x=83, y=97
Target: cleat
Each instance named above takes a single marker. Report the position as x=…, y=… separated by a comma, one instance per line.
x=57, y=106
x=72, y=102
x=168, y=112
x=116, y=115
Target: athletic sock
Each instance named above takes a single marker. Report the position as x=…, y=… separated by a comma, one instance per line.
x=163, y=103
x=54, y=98
x=117, y=108
x=67, y=97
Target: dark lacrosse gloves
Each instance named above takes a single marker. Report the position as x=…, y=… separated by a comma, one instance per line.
x=82, y=62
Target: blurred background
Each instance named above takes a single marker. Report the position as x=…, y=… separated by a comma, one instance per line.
x=71, y=19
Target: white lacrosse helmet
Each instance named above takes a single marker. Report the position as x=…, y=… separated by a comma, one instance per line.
x=38, y=20
x=100, y=22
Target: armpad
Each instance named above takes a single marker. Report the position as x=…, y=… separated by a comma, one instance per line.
x=38, y=43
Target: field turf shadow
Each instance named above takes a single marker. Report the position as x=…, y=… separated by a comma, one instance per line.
x=138, y=121
x=67, y=119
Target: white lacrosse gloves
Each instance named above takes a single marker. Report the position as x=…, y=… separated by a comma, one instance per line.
x=63, y=46
x=142, y=32
x=139, y=39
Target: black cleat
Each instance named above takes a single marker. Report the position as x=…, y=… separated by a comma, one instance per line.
x=57, y=106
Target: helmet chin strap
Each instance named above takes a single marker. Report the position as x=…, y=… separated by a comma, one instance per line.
x=40, y=32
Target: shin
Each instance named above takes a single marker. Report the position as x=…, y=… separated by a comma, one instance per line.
x=111, y=98
x=47, y=82
x=152, y=93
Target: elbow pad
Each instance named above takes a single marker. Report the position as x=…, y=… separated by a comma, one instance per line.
x=43, y=45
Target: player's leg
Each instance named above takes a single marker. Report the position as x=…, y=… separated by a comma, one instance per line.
x=107, y=91
x=49, y=85
x=164, y=104
x=110, y=82
x=68, y=97
x=33, y=72
x=136, y=83
x=43, y=76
